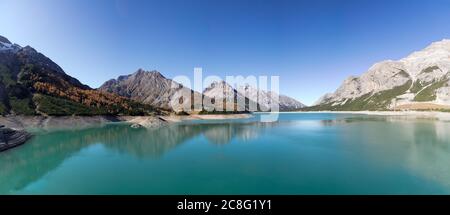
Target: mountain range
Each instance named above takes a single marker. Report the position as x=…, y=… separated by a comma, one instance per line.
x=150, y=87
x=260, y=99
x=419, y=81
x=32, y=84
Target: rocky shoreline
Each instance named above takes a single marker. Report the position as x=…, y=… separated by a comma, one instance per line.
x=434, y=115
x=176, y=118
x=10, y=138
x=74, y=122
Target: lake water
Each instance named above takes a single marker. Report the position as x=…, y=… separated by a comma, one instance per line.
x=305, y=153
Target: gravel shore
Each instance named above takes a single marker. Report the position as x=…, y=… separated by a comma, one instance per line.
x=76, y=122
x=444, y=116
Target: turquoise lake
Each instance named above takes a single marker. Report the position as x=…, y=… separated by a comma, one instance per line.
x=304, y=153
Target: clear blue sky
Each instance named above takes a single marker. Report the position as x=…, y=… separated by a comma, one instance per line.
x=312, y=45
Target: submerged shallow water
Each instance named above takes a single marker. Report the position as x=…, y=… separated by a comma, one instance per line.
x=304, y=153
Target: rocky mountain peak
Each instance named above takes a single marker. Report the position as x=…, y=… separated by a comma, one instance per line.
x=140, y=71
x=422, y=76
x=29, y=55
x=4, y=40
x=6, y=45
x=148, y=87
x=218, y=85
x=148, y=74
x=435, y=49
x=443, y=44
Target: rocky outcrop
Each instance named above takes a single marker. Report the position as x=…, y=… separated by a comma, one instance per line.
x=52, y=123
x=10, y=138
x=421, y=77
x=145, y=121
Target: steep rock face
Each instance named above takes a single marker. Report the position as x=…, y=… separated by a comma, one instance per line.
x=421, y=77
x=152, y=88
x=31, y=83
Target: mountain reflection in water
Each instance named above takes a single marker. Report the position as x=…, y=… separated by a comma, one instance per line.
x=299, y=154
x=47, y=150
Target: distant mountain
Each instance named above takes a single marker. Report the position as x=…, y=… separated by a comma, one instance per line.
x=149, y=87
x=224, y=97
x=152, y=88
x=31, y=83
x=419, y=81
x=262, y=100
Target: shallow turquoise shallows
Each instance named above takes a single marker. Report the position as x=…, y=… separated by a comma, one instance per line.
x=304, y=153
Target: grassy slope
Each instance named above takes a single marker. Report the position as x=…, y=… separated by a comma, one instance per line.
x=429, y=93
x=61, y=107
x=17, y=97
